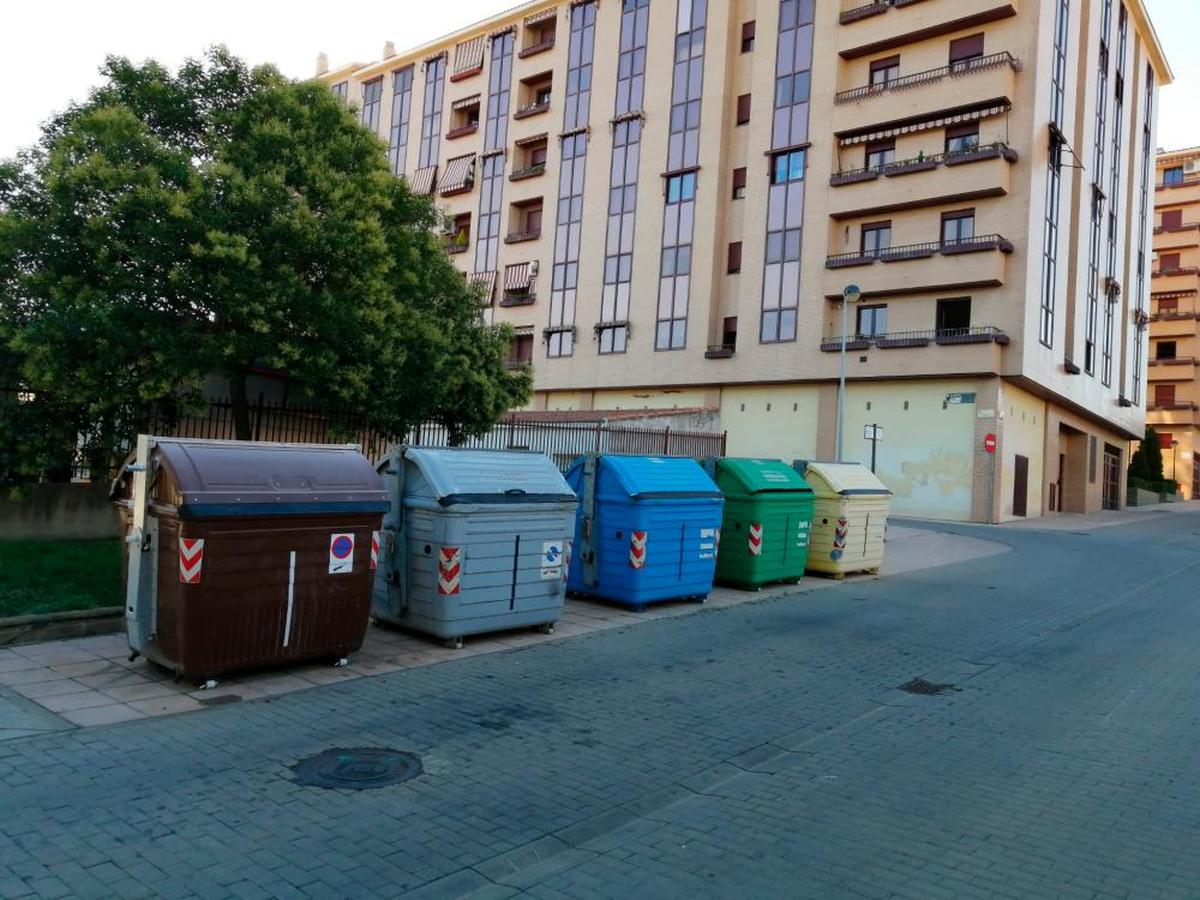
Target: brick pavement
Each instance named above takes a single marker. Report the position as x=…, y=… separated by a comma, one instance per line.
x=755, y=750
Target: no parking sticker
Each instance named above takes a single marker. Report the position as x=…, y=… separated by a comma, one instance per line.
x=341, y=554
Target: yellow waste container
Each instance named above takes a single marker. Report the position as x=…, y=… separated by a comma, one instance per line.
x=850, y=512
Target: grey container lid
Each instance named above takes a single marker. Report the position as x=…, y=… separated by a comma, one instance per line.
x=452, y=476
x=242, y=478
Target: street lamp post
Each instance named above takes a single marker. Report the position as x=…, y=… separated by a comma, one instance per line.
x=1174, y=450
x=850, y=294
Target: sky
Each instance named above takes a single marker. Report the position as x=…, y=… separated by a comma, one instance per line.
x=50, y=50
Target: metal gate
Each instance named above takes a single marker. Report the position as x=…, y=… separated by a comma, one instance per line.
x=1112, y=478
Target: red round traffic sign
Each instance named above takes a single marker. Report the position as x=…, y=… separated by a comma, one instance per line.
x=989, y=443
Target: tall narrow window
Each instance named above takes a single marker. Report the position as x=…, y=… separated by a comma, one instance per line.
x=739, y=183
x=965, y=50
x=1058, y=75
x=743, y=109
x=1139, y=336
x=568, y=223
x=612, y=331
x=785, y=196
x=734, y=261
x=372, y=100
x=431, y=111
x=876, y=237
x=495, y=137
x=683, y=153
x=871, y=321
x=1164, y=396
x=402, y=80
x=958, y=226
x=1091, y=322
x=748, y=36
x=1112, y=295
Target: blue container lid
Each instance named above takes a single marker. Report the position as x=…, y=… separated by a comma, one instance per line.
x=652, y=477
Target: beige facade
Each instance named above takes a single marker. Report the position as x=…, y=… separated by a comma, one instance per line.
x=781, y=151
x=1174, y=313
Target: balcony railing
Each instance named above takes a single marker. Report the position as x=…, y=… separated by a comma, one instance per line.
x=518, y=298
x=995, y=150
x=533, y=49
x=462, y=131
x=1167, y=273
x=975, y=334
x=965, y=67
x=900, y=252
x=1173, y=405
x=515, y=237
x=1183, y=182
x=1173, y=361
x=720, y=351
x=1173, y=315
x=865, y=11
x=531, y=109
x=1173, y=229
x=527, y=172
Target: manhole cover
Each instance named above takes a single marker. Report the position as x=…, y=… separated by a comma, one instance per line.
x=359, y=769
x=921, y=686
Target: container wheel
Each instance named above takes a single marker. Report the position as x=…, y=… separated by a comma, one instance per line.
x=703, y=599
x=452, y=643
x=546, y=628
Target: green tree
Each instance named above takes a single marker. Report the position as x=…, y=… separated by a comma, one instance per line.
x=1147, y=461
x=204, y=222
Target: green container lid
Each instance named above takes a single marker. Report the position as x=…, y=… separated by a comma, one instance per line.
x=754, y=476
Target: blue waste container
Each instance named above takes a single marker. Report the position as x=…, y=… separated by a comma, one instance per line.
x=646, y=531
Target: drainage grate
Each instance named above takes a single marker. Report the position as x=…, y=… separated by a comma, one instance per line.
x=359, y=769
x=921, y=686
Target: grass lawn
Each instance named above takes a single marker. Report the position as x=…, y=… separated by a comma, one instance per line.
x=50, y=576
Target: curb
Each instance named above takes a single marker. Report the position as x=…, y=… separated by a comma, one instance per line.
x=51, y=626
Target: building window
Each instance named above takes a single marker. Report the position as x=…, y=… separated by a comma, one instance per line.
x=884, y=71
x=958, y=226
x=876, y=236
x=739, y=183
x=785, y=196
x=1098, y=199
x=534, y=95
x=1164, y=395
x=962, y=138
x=612, y=331
x=1168, y=262
x=734, y=261
x=747, y=36
x=954, y=316
x=729, y=332
x=1049, y=292
x=371, y=102
x=1114, y=193
x=681, y=188
x=520, y=350
x=495, y=138
x=568, y=226
x=1171, y=218
x=1143, y=216
x=1173, y=175
x=401, y=105
x=431, y=111
x=880, y=153
x=459, y=237
x=964, y=50
x=341, y=90
x=540, y=32
x=743, y=109
x=1164, y=350
x=525, y=221
x=787, y=167
x=1167, y=306
x=871, y=321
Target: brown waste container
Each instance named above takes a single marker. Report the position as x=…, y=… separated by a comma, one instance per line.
x=245, y=555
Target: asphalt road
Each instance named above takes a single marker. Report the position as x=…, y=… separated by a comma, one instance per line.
x=761, y=750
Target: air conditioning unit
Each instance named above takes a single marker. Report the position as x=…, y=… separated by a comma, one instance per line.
x=1191, y=167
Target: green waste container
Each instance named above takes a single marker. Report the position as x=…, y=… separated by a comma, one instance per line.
x=767, y=519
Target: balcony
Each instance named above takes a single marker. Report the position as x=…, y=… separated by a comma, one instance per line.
x=925, y=94
x=1177, y=405
x=944, y=337
x=923, y=181
x=517, y=237
x=720, y=351
x=1181, y=368
x=462, y=131
x=908, y=21
x=527, y=172
x=1175, y=229
x=921, y=270
x=534, y=49
x=518, y=298
x=531, y=109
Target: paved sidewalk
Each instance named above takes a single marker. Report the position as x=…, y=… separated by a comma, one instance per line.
x=90, y=681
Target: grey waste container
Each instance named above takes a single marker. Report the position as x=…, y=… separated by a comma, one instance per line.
x=475, y=541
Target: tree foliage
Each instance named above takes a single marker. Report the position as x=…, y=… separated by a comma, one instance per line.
x=221, y=218
x=1147, y=460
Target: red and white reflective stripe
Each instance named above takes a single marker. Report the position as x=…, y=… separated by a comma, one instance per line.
x=449, y=570
x=839, y=534
x=191, y=558
x=637, y=550
x=374, y=550
x=754, y=542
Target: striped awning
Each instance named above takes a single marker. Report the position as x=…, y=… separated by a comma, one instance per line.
x=459, y=176
x=519, y=277
x=1172, y=295
x=521, y=330
x=423, y=180
x=465, y=102
x=468, y=56
x=533, y=139
x=925, y=125
x=487, y=280
x=542, y=16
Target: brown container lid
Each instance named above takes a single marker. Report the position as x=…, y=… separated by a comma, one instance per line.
x=241, y=478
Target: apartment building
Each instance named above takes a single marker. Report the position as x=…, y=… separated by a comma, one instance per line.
x=1174, y=398
x=668, y=198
